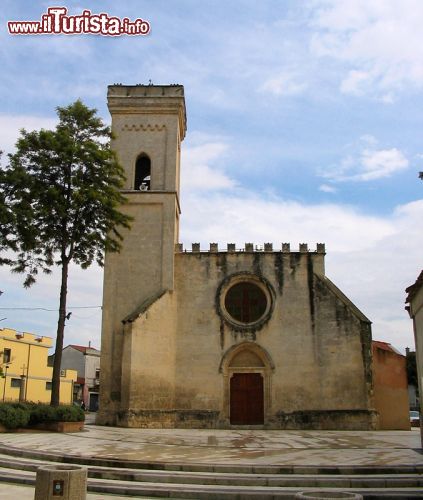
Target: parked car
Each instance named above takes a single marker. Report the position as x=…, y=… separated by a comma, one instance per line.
x=415, y=419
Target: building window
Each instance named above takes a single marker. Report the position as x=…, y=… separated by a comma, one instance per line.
x=246, y=302
x=143, y=173
x=16, y=383
x=48, y=386
x=7, y=355
x=97, y=373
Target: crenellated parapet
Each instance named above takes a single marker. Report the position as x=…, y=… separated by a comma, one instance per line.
x=250, y=248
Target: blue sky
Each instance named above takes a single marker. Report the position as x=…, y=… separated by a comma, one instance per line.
x=304, y=125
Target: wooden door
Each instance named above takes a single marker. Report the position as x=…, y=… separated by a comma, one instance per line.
x=246, y=399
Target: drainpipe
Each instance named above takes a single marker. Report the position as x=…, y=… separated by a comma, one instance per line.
x=5, y=378
x=27, y=372
x=22, y=389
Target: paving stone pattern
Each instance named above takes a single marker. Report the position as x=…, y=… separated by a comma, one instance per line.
x=241, y=447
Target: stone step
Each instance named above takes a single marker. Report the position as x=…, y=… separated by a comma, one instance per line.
x=209, y=492
x=227, y=482
x=212, y=468
x=228, y=486
x=240, y=479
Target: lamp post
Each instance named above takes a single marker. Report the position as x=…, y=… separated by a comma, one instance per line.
x=4, y=383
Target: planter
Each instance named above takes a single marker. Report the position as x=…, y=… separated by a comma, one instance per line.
x=48, y=426
x=59, y=426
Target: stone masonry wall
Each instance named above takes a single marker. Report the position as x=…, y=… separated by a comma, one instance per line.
x=314, y=338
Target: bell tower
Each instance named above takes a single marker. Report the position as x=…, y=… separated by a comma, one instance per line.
x=148, y=123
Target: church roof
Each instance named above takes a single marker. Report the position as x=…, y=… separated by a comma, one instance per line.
x=385, y=346
x=84, y=349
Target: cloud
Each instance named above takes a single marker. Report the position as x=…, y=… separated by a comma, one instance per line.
x=285, y=84
x=367, y=164
x=381, y=42
x=355, y=82
x=376, y=281
x=199, y=171
x=85, y=289
x=382, y=163
x=327, y=189
x=11, y=124
x=244, y=216
x=369, y=139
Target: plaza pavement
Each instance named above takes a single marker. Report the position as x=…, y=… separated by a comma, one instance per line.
x=209, y=446
x=11, y=491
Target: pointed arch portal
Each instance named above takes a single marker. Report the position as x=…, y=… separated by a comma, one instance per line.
x=246, y=399
x=246, y=369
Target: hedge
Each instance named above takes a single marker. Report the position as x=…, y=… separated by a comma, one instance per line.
x=13, y=415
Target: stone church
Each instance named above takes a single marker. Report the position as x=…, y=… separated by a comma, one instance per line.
x=217, y=337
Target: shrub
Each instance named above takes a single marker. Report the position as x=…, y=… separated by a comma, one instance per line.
x=13, y=416
x=27, y=406
x=69, y=414
x=41, y=413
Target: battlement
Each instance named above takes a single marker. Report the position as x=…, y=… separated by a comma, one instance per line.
x=148, y=100
x=149, y=90
x=251, y=248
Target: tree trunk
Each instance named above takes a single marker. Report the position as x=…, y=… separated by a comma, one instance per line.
x=55, y=386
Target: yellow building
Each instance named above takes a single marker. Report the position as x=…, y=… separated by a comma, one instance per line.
x=25, y=375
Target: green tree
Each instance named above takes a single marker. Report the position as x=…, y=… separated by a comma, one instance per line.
x=6, y=227
x=60, y=203
x=411, y=368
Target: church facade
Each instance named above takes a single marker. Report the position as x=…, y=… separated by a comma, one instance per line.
x=217, y=337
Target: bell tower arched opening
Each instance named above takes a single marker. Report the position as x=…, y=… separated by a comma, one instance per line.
x=143, y=173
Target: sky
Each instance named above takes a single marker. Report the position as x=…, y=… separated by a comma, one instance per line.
x=305, y=125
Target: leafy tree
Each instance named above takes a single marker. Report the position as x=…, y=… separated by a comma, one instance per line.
x=6, y=227
x=60, y=201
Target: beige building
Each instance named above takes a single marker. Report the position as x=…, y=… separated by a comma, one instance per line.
x=217, y=337
x=415, y=309
x=85, y=360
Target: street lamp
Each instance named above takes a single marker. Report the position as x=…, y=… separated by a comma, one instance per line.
x=4, y=383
